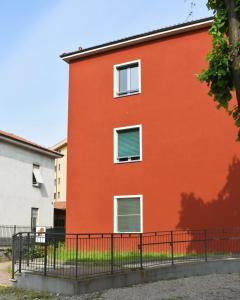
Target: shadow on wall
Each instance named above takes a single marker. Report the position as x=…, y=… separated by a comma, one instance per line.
x=221, y=212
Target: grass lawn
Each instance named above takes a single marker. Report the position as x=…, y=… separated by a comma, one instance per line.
x=11, y=293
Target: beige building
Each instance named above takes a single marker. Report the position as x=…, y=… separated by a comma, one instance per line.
x=60, y=184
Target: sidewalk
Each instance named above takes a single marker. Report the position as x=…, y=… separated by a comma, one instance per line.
x=4, y=275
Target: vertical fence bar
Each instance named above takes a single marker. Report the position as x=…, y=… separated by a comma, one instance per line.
x=54, y=253
x=76, y=263
x=20, y=253
x=14, y=229
x=28, y=248
x=141, y=251
x=45, y=255
x=172, y=250
x=205, y=245
x=13, y=255
x=112, y=253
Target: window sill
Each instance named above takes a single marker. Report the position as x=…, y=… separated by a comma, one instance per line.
x=127, y=161
x=129, y=232
x=126, y=95
x=36, y=185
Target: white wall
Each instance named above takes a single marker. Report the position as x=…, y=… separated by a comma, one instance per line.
x=17, y=194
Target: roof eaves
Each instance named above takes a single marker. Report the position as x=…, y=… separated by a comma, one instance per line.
x=171, y=30
x=28, y=144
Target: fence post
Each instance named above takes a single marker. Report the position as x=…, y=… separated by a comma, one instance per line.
x=172, y=251
x=141, y=251
x=20, y=253
x=112, y=253
x=76, y=267
x=14, y=229
x=45, y=255
x=205, y=245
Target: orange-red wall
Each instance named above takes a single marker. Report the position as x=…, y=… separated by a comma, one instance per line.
x=190, y=173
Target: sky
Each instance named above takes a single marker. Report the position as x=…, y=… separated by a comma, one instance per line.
x=33, y=33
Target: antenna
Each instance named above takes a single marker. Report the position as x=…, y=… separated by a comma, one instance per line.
x=191, y=10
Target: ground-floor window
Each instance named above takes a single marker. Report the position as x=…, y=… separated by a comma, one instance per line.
x=128, y=214
x=34, y=218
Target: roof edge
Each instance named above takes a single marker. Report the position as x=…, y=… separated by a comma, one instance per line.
x=137, y=39
x=59, y=145
x=30, y=145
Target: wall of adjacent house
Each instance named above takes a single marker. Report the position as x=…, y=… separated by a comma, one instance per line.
x=61, y=174
x=17, y=194
x=190, y=173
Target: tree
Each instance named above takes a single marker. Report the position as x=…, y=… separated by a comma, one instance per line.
x=223, y=73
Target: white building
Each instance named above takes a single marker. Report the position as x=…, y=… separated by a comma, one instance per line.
x=26, y=182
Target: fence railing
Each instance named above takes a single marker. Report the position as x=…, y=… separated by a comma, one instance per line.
x=84, y=255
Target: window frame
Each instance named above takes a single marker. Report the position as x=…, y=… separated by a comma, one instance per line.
x=115, y=210
x=115, y=143
x=116, y=78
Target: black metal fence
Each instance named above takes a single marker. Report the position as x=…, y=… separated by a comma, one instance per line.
x=84, y=255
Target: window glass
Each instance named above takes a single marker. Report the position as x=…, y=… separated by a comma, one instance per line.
x=134, y=79
x=34, y=218
x=127, y=79
x=123, y=81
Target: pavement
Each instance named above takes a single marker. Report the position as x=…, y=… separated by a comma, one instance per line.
x=208, y=287
x=4, y=275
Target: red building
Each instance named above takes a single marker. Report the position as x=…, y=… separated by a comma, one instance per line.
x=147, y=148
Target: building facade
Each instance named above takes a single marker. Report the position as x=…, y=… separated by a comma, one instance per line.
x=26, y=182
x=147, y=148
x=60, y=183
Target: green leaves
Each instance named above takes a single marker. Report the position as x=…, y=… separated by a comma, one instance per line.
x=219, y=75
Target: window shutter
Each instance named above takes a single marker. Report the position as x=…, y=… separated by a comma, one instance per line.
x=37, y=175
x=128, y=143
x=129, y=216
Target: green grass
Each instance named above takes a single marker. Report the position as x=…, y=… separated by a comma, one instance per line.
x=69, y=256
x=19, y=294
x=66, y=255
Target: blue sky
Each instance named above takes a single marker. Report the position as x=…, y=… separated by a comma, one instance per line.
x=33, y=33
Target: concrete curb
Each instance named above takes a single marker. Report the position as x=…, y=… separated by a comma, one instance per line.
x=66, y=286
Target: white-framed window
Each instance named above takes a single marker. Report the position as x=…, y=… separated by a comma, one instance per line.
x=127, y=78
x=127, y=144
x=36, y=176
x=128, y=214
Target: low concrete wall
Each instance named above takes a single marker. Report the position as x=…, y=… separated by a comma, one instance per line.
x=70, y=287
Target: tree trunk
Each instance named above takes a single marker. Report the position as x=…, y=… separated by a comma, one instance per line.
x=234, y=38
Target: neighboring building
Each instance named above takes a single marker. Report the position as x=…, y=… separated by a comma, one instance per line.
x=26, y=182
x=147, y=148
x=60, y=182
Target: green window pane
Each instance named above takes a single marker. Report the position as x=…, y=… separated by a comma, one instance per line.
x=129, y=224
x=128, y=143
x=127, y=206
